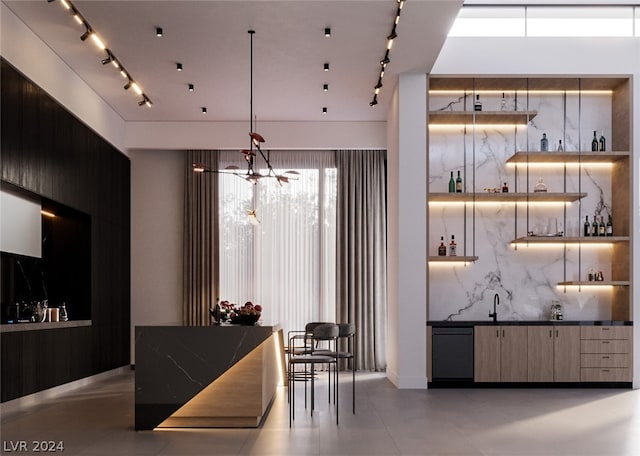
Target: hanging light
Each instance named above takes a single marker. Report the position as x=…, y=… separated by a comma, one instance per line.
x=252, y=218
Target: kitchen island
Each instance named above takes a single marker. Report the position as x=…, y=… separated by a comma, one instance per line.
x=205, y=376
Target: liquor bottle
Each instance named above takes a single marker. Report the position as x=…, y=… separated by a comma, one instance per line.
x=594, y=226
x=587, y=226
x=452, y=184
x=459, y=183
x=505, y=188
x=452, y=246
x=594, y=143
x=560, y=148
x=602, y=142
x=602, y=227
x=442, y=249
x=503, y=103
x=477, y=105
x=544, y=143
x=63, y=314
x=609, y=229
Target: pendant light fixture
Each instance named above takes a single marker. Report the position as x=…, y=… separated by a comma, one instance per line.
x=255, y=144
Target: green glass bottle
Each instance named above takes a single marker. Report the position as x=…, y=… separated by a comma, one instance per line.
x=594, y=143
x=459, y=183
x=602, y=143
x=452, y=184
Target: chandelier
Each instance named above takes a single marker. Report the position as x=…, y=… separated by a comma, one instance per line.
x=250, y=174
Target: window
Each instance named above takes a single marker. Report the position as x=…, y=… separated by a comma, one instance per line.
x=286, y=263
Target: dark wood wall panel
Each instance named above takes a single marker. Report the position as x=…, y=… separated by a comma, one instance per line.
x=48, y=152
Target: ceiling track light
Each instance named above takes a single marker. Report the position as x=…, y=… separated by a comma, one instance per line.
x=326, y=66
x=324, y=110
x=327, y=31
x=111, y=58
x=191, y=87
x=204, y=110
x=325, y=87
x=384, y=61
x=178, y=66
x=159, y=31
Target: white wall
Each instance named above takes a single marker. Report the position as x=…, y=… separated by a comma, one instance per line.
x=25, y=51
x=560, y=56
x=407, y=236
x=20, y=225
x=235, y=135
x=157, y=202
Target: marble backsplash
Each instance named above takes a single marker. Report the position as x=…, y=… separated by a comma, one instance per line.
x=524, y=277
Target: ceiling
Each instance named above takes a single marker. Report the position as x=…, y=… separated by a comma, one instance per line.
x=210, y=39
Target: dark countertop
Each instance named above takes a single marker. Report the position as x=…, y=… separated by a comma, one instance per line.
x=470, y=323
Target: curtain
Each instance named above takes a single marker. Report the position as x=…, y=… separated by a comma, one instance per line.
x=201, y=265
x=362, y=252
x=287, y=262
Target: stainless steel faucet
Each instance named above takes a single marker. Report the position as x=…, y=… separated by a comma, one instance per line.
x=494, y=314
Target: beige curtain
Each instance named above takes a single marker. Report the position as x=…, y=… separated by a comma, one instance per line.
x=201, y=266
x=361, y=285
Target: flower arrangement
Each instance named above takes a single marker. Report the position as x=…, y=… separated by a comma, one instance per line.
x=248, y=314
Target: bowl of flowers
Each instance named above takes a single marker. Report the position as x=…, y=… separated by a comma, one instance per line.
x=247, y=315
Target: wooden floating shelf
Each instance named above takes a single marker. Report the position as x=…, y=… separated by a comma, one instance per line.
x=453, y=259
x=481, y=117
x=570, y=240
x=611, y=283
x=567, y=157
x=505, y=197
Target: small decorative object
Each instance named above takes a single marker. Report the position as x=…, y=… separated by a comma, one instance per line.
x=503, y=103
x=556, y=310
x=505, y=188
x=540, y=186
x=477, y=105
x=247, y=315
x=544, y=143
x=599, y=277
x=63, y=314
x=560, y=148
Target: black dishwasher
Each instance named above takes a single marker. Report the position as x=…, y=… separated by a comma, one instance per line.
x=452, y=354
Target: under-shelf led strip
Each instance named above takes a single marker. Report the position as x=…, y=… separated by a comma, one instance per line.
x=111, y=58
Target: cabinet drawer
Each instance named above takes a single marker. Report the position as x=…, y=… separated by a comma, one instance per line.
x=605, y=346
x=606, y=332
x=605, y=360
x=614, y=374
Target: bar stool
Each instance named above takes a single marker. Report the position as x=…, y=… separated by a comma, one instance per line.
x=322, y=332
x=346, y=331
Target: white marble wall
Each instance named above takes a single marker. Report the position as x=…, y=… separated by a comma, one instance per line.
x=526, y=277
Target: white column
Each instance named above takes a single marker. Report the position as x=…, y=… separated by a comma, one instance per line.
x=407, y=233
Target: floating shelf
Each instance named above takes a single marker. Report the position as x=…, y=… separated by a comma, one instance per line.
x=570, y=240
x=567, y=157
x=506, y=197
x=453, y=259
x=481, y=117
x=612, y=283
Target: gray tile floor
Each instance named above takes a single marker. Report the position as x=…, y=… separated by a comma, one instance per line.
x=98, y=420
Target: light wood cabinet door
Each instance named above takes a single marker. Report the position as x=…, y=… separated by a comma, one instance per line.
x=513, y=354
x=566, y=353
x=540, y=358
x=486, y=354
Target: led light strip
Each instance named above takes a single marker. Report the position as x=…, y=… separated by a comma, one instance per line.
x=110, y=58
x=385, y=60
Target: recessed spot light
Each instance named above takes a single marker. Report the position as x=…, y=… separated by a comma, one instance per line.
x=327, y=31
x=179, y=66
x=204, y=110
x=324, y=110
x=325, y=87
x=159, y=31
x=326, y=66
x=191, y=88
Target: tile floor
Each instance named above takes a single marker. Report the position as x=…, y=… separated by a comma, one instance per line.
x=98, y=420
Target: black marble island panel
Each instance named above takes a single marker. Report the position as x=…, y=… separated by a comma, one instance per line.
x=177, y=364
x=472, y=323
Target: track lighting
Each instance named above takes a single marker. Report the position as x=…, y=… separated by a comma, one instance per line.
x=191, y=88
x=324, y=110
x=159, y=31
x=110, y=58
x=386, y=60
x=325, y=87
x=204, y=110
x=327, y=31
x=326, y=66
x=393, y=35
x=374, y=101
x=179, y=66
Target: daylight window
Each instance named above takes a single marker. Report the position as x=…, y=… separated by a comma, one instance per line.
x=580, y=21
x=489, y=21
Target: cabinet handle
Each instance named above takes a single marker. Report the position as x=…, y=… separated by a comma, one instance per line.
x=503, y=333
x=550, y=333
x=605, y=370
x=605, y=357
x=605, y=341
x=497, y=333
x=557, y=333
x=605, y=329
